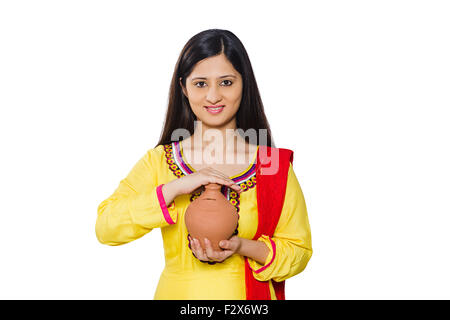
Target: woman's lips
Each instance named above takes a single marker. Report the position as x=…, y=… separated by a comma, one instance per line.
x=215, y=109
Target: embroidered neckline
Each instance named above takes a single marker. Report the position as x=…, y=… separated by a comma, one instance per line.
x=236, y=178
x=179, y=167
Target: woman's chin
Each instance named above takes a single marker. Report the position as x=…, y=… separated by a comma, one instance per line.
x=215, y=122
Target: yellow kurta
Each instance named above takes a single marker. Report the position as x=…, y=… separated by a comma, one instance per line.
x=134, y=210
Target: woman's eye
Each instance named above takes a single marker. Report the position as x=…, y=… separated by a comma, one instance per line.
x=201, y=84
x=198, y=83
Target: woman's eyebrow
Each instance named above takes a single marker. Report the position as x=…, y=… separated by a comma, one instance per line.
x=225, y=76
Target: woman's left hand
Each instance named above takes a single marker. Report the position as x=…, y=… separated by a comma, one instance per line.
x=230, y=247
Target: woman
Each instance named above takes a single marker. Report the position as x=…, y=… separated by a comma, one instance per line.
x=213, y=94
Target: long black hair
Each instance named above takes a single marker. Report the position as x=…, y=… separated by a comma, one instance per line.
x=212, y=42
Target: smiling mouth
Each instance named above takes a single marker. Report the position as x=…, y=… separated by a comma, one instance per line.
x=215, y=107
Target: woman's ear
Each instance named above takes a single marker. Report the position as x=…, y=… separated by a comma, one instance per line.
x=182, y=87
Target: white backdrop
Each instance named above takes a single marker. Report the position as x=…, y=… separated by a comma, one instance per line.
x=358, y=89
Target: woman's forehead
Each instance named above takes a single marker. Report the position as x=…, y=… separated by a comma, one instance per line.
x=213, y=67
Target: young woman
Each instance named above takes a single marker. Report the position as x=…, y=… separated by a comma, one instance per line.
x=214, y=94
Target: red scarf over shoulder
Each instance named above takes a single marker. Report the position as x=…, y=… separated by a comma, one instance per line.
x=270, y=192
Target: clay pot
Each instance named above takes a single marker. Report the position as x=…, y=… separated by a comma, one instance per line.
x=211, y=216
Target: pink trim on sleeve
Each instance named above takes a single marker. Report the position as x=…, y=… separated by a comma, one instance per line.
x=162, y=204
x=274, y=249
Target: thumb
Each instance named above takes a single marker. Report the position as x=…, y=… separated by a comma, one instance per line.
x=224, y=244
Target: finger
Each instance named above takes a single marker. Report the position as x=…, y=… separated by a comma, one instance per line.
x=195, y=248
x=227, y=245
x=224, y=244
x=210, y=254
x=230, y=181
x=221, y=175
x=224, y=176
x=191, y=244
x=237, y=188
x=225, y=254
x=227, y=182
x=200, y=251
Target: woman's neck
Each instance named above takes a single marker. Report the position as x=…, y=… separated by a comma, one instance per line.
x=224, y=137
x=217, y=145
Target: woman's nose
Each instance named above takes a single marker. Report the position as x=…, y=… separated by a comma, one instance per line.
x=213, y=95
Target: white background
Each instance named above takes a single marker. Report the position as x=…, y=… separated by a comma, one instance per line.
x=358, y=89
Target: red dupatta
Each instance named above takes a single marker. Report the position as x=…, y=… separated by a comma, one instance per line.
x=270, y=192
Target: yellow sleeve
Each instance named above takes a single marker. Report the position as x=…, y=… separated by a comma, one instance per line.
x=135, y=207
x=290, y=247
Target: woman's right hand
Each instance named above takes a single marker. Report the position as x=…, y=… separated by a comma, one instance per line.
x=196, y=180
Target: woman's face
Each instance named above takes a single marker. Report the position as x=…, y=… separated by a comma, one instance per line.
x=214, y=83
